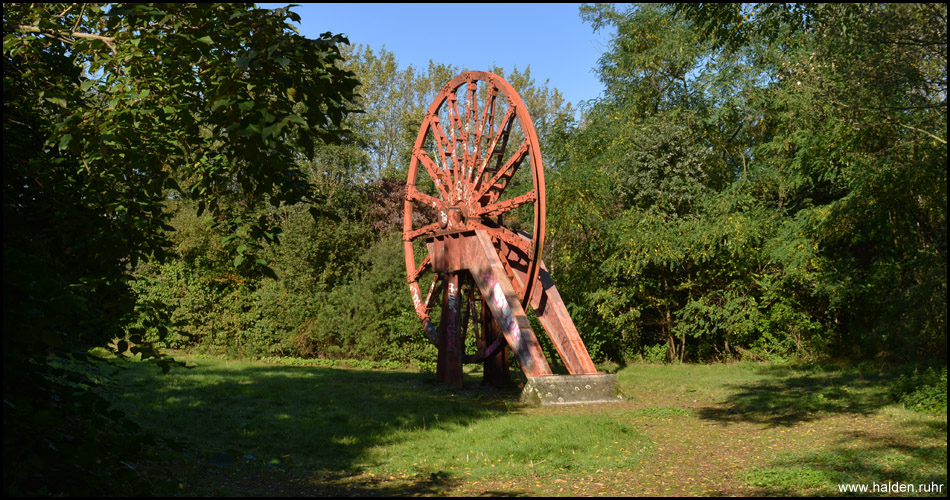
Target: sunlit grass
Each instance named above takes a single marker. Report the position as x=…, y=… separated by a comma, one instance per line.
x=515, y=445
x=682, y=429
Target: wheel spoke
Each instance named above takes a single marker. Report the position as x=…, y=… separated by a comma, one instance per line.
x=430, y=201
x=488, y=119
x=455, y=129
x=505, y=133
x=504, y=234
x=493, y=150
x=504, y=174
x=411, y=235
x=488, y=351
x=496, y=209
x=423, y=267
x=442, y=142
x=451, y=163
x=471, y=125
x=434, y=290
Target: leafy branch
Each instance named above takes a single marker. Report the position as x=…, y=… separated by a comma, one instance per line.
x=64, y=35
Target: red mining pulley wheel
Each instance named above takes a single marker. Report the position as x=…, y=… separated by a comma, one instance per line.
x=473, y=231
x=476, y=165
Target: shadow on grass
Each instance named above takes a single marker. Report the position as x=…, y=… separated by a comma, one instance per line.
x=904, y=450
x=291, y=430
x=793, y=394
x=863, y=459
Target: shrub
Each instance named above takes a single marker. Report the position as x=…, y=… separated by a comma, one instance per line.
x=922, y=389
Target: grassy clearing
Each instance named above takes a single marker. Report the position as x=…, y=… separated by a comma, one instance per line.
x=253, y=428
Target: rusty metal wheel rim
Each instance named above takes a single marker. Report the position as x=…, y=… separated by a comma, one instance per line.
x=469, y=163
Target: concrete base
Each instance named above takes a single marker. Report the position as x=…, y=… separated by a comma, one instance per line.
x=571, y=390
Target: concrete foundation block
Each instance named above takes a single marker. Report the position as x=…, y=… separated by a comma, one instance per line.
x=571, y=390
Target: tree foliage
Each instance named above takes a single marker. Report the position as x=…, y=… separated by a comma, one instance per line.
x=109, y=113
x=768, y=180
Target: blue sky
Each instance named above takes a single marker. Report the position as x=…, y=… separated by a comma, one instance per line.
x=550, y=38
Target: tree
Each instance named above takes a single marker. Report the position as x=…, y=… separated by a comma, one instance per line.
x=857, y=121
x=641, y=175
x=109, y=112
x=772, y=179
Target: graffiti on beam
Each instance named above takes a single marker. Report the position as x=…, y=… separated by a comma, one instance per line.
x=508, y=319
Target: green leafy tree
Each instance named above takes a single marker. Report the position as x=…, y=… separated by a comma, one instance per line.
x=675, y=255
x=771, y=180
x=856, y=117
x=388, y=98
x=109, y=112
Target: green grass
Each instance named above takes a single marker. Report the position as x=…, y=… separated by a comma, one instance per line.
x=254, y=428
x=793, y=479
x=914, y=453
x=516, y=446
x=318, y=418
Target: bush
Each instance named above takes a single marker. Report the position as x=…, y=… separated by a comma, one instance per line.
x=922, y=389
x=655, y=353
x=371, y=317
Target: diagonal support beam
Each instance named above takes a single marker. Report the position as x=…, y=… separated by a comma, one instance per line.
x=554, y=316
x=505, y=306
x=473, y=251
